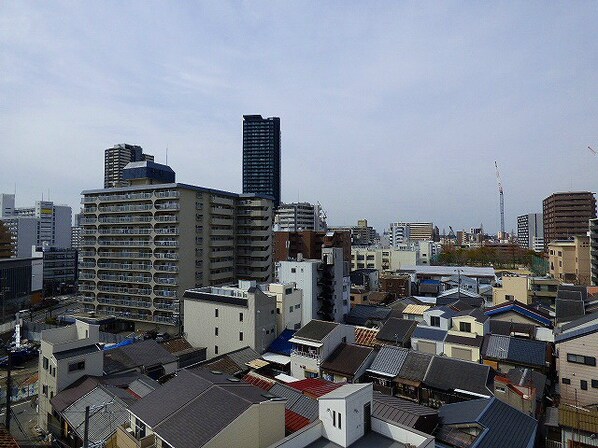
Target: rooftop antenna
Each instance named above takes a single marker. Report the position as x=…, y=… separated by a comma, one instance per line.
x=167, y=155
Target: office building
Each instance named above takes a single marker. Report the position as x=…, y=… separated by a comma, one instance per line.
x=326, y=284
x=227, y=318
x=361, y=235
x=20, y=284
x=569, y=260
x=298, y=216
x=7, y=205
x=60, y=269
x=6, y=248
x=400, y=233
x=261, y=156
x=566, y=215
x=115, y=160
x=594, y=250
x=530, y=231
x=145, y=244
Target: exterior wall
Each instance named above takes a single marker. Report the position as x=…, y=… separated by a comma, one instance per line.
x=594, y=251
x=383, y=259
x=258, y=324
x=567, y=214
x=512, y=316
x=569, y=261
x=453, y=350
x=445, y=324
x=259, y=426
x=305, y=275
x=403, y=434
x=477, y=328
x=586, y=346
x=289, y=301
x=513, y=288
x=424, y=345
x=302, y=438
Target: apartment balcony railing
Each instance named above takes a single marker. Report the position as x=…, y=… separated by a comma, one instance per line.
x=131, y=315
x=171, y=306
x=90, y=209
x=87, y=253
x=87, y=276
x=166, y=319
x=165, y=293
x=119, y=289
x=124, y=197
x=125, y=278
x=166, y=280
x=124, y=219
x=87, y=264
x=166, y=243
x=167, y=206
x=166, y=218
x=128, y=243
x=124, y=208
x=125, y=231
x=87, y=299
x=88, y=221
x=85, y=287
x=166, y=268
x=166, y=255
x=311, y=355
x=166, y=231
x=126, y=266
x=167, y=194
x=125, y=302
x=125, y=254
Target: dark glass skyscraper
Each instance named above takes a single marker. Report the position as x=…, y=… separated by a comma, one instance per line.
x=261, y=156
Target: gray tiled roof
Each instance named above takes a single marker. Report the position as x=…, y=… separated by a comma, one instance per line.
x=396, y=330
x=568, y=310
x=306, y=407
x=145, y=353
x=415, y=366
x=405, y=412
x=576, y=333
x=518, y=350
x=465, y=340
x=389, y=360
x=347, y=359
x=243, y=356
x=292, y=395
x=429, y=333
x=315, y=330
x=360, y=314
x=450, y=374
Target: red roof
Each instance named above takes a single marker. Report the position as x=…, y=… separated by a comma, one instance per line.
x=293, y=421
x=314, y=387
x=259, y=381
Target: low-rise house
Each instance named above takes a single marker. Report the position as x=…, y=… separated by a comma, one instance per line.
x=198, y=408
x=428, y=340
x=518, y=312
x=146, y=357
x=578, y=427
x=347, y=363
x=235, y=363
x=451, y=380
x=184, y=352
x=396, y=332
x=576, y=361
x=386, y=367
x=405, y=412
x=313, y=343
x=486, y=422
x=523, y=389
x=415, y=312
x=366, y=336
x=503, y=353
x=464, y=339
x=410, y=380
x=453, y=295
x=439, y=317
x=368, y=315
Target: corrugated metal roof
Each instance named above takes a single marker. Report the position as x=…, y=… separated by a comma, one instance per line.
x=306, y=407
x=416, y=309
x=394, y=409
x=450, y=374
x=293, y=421
x=573, y=418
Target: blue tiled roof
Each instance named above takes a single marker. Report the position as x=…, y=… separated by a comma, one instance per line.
x=281, y=344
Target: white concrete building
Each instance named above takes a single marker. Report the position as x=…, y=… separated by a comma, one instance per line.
x=383, y=259
x=325, y=283
x=530, y=231
x=228, y=318
x=289, y=303
x=297, y=216
x=66, y=354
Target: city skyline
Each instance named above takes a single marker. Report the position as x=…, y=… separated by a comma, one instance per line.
x=388, y=113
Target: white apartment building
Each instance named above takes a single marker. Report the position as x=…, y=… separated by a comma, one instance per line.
x=325, y=283
x=383, y=259
x=297, y=216
x=66, y=355
x=228, y=318
x=530, y=231
x=23, y=231
x=145, y=244
x=404, y=232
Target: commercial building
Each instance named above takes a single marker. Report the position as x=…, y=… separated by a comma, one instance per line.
x=309, y=243
x=60, y=269
x=530, y=231
x=115, y=160
x=145, y=244
x=361, y=234
x=225, y=319
x=20, y=284
x=569, y=261
x=298, y=216
x=594, y=251
x=567, y=214
x=325, y=283
x=261, y=156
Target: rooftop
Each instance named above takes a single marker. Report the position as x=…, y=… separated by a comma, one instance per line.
x=347, y=359
x=389, y=361
x=315, y=330
x=396, y=330
x=145, y=353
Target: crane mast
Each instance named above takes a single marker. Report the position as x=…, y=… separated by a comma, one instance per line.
x=502, y=201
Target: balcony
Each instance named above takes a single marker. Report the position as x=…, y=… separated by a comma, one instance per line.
x=126, y=266
x=169, y=306
x=312, y=355
x=124, y=208
x=125, y=231
x=166, y=218
x=123, y=290
x=165, y=293
x=125, y=254
x=167, y=194
x=125, y=437
x=126, y=302
x=166, y=280
x=166, y=268
x=127, y=243
x=125, y=278
x=166, y=255
x=167, y=231
x=166, y=243
x=124, y=197
x=170, y=320
x=167, y=206
x=124, y=219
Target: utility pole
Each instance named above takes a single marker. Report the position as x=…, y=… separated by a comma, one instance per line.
x=8, y=391
x=86, y=429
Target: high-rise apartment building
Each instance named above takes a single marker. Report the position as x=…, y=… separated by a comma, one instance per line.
x=594, y=250
x=76, y=232
x=145, y=244
x=400, y=233
x=361, y=235
x=530, y=231
x=567, y=214
x=115, y=160
x=261, y=156
x=298, y=216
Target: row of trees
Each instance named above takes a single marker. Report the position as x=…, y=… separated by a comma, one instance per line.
x=510, y=256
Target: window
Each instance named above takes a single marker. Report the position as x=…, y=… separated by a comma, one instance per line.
x=215, y=331
x=73, y=367
x=277, y=310
x=45, y=390
x=583, y=384
x=240, y=317
x=501, y=389
x=289, y=291
x=45, y=362
x=216, y=312
x=293, y=270
x=566, y=381
x=465, y=326
x=334, y=418
x=595, y=384
x=581, y=359
x=215, y=349
x=240, y=335
x=337, y=420
x=297, y=306
x=435, y=321
x=340, y=425
x=290, y=309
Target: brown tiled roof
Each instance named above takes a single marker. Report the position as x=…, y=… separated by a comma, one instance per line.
x=365, y=336
x=224, y=364
x=176, y=345
x=6, y=439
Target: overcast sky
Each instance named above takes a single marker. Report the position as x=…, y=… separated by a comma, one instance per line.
x=389, y=110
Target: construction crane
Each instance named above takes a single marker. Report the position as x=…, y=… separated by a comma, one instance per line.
x=502, y=201
x=593, y=152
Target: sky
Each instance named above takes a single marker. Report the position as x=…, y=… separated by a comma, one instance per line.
x=390, y=111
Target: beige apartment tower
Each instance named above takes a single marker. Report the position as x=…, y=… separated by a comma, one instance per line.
x=144, y=245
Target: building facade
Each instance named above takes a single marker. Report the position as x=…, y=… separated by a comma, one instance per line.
x=594, y=251
x=261, y=156
x=115, y=160
x=569, y=261
x=298, y=216
x=567, y=214
x=383, y=259
x=530, y=231
x=60, y=269
x=224, y=319
x=309, y=243
x=145, y=244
